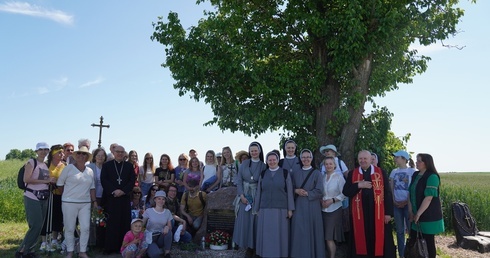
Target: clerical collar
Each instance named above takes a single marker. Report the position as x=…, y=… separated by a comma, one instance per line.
x=274, y=169
x=306, y=168
x=255, y=160
x=118, y=162
x=370, y=167
x=291, y=157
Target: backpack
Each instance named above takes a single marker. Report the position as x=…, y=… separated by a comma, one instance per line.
x=340, y=164
x=186, y=198
x=20, y=176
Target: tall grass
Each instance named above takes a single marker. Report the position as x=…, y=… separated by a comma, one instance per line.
x=470, y=188
x=11, y=197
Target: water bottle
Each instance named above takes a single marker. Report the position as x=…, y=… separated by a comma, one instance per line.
x=203, y=243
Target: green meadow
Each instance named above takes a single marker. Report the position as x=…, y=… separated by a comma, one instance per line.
x=470, y=188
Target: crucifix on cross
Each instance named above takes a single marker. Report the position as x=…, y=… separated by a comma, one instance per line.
x=100, y=128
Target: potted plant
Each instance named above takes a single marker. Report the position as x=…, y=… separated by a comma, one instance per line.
x=218, y=240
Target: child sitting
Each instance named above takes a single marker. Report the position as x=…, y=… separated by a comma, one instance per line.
x=134, y=244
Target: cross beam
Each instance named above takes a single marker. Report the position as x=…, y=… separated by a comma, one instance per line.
x=101, y=125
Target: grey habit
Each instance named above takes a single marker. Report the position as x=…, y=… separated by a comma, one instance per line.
x=244, y=230
x=273, y=199
x=307, y=238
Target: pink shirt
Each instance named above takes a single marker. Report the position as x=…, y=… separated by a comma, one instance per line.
x=41, y=172
x=129, y=237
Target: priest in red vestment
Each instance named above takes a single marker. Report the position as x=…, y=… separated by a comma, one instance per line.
x=371, y=208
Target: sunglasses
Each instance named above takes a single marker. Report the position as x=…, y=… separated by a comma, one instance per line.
x=182, y=159
x=81, y=153
x=153, y=189
x=136, y=192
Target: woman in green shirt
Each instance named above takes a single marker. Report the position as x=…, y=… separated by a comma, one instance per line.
x=424, y=205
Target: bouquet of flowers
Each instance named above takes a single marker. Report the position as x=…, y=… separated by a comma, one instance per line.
x=219, y=237
x=98, y=217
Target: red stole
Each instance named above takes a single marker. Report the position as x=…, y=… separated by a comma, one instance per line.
x=379, y=213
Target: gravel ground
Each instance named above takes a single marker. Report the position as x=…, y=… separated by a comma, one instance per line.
x=447, y=244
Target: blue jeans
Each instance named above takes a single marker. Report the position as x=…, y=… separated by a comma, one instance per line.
x=401, y=223
x=206, y=184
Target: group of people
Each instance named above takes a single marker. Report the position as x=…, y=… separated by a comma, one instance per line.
x=285, y=207
x=288, y=208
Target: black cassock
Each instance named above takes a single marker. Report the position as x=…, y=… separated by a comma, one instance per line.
x=117, y=175
x=368, y=206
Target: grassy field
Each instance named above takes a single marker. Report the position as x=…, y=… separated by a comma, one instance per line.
x=471, y=188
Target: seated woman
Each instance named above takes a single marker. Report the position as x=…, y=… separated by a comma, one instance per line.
x=212, y=173
x=137, y=204
x=148, y=199
x=193, y=174
x=158, y=221
x=179, y=225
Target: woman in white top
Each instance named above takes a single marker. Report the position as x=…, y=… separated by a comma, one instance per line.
x=212, y=173
x=147, y=172
x=77, y=185
x=332, y=204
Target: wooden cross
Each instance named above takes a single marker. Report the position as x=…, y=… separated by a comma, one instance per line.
x=100, y=129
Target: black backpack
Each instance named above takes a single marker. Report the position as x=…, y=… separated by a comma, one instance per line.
x=20, y=176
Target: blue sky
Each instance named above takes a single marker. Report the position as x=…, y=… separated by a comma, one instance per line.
x=63, y=64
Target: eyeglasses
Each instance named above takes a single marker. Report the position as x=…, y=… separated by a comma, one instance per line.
x=81, y=153
x=119, y=151
x=136, y=192
x=172, y=190
x=154, y=189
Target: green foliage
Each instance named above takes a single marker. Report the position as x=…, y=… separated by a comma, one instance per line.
x=304, y=67
x=22, y=155
x=375, y=136
x=470, y=188
x=11, y=197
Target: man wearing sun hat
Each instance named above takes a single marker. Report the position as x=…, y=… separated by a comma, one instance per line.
x=331, y=151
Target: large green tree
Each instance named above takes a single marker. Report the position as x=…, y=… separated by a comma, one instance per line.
x=304, y=67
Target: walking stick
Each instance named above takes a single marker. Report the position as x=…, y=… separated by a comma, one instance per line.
x=49, y=224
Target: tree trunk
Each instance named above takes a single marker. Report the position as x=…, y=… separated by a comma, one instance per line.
x=348, y=137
